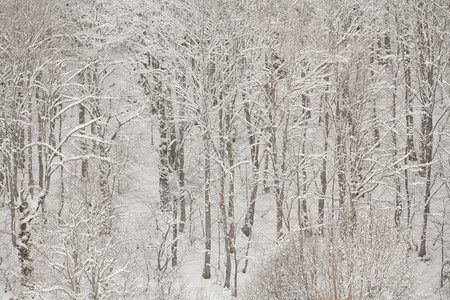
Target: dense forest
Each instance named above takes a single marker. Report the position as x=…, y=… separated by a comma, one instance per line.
x=213, y=149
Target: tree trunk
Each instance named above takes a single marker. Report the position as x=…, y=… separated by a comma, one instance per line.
x=82, y=120
x=232, y=229
x=164, y=166
x=410, y=151
x=398, y=200
x=174, y=246
x=163, y=159
x=266, y=172
x=40, y=151
x=279, y=196
x=207, y=262
x=24, y=246
x=180, y=170
x=340, y=157
x=254, y=156
x=323, y=172
x=427, y=127
x=306, y=114
x=61, y=176
x=30, y=150
x=222, y=205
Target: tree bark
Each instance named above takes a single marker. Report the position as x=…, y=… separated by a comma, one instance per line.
x=306, y=114
x=180, y=170
x=254, y=156
x=410, y=150
x=82, y=120
x=206, y=274
x=30, y=150
x=174, y=246
x=222, y=205
x=428, y=158
x=232, y=229
x=323, y=172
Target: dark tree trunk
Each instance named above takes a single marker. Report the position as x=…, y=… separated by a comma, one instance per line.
x=207, y=262
x=323, y=172
x=180, y=170
x=398, y=200
x=340, y=157
x=222, y=204
x=427, y=127
x=230, y=212
x=174, y=246
x=82, y=120
x=410, y=150
x=306, y=114
x=30, y=150
x=254, y=155
x=24, y=246
x=40, y=140
x=163, y=157
x=266, y=172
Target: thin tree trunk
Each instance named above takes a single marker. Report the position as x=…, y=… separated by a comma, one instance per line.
x=408, y=104
x=426, y=212
x=299, y=195
x=306, y=115
x=236, y=263
x=427, y=127
x=279, y=196
x=254, y=155
x=376, y=131
x=273, y=153
x=180, y=170
x=24, y=246
x=61, y=176
x=266, y=172
x=398, y=201
x=163, y=158
x=40, y=152
x=164, y=166
x=222, y=205
x=340, y=157
x=24, y=235
x=207, y=262
x=42, y=111
x=82, y=120
x=408, y=195
x=30, y=150
x=174, y=232
x=232, y=229
x=323, y=173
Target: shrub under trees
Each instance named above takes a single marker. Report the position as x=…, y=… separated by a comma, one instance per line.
x=370, y=260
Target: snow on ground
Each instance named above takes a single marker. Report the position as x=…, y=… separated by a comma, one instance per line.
x=141, y=194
